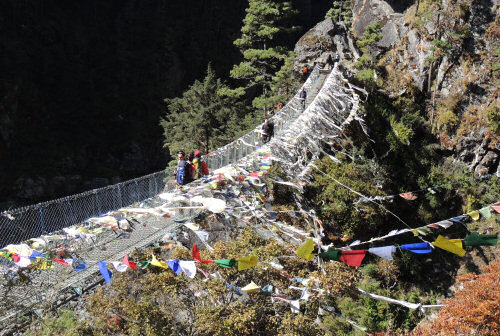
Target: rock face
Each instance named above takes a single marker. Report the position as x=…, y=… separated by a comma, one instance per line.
x=315, y=42
x=367, y=12
x=325, y=37
x=456, y=78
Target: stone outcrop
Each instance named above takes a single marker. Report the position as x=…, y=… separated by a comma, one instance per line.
x=323, y=38
x=460, y=74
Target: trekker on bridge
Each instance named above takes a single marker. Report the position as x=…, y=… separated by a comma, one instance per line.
x=184, y=170
x=267, y=131
x=329, y=61
x=200, y=167
x=303, y=97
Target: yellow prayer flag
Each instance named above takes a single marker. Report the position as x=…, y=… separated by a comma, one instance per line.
x=251, y=288
x=247, y=262
x=415, y=232
x=474, y=215
x=158, y=263
x=450, y=245
x=305, y=250
x=41, y=263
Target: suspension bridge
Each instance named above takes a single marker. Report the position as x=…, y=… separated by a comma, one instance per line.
x=301, y=134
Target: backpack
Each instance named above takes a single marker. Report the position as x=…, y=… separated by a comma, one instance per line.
x=197, y=168
x=184, y=173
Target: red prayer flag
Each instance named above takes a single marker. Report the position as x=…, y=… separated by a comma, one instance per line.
x=197, y=257
x=130, y=264
x=254, y=174
x=409, y=196
x=496, y=207
x=353, y=258
x=60, y=261
x=16, y=257
x=433, y=226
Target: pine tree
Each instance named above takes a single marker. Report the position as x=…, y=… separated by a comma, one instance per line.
x=264, y=24
x=341, y=12
x=200, y=118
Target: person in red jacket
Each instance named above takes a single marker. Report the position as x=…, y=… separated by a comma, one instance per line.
x=201, y=168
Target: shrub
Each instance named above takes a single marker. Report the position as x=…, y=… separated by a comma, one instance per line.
x=475, y=310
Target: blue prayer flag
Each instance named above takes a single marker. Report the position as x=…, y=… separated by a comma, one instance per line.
x=79, y=265
x=174, y=266
x=106, y=273
x=419, y=248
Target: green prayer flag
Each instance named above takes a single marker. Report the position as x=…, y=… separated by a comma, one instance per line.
x=424, y=231
x=481, y=240
x=485, y=212
x=144, y=264
x=331, y=255
x=226, y=263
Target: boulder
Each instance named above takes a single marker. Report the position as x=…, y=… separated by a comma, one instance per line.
x=315, y=42
x=367, y=12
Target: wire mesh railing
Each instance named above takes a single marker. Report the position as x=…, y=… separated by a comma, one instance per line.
x=21, y=224
x=241, y=147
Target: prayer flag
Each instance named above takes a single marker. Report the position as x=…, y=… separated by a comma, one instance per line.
x=330, y=255
x=267, y=290
x=459, y=219
x=226, y=263
x=450, y=245
x=61, y=261
x=156, y=262
x=385, y=252
x=496, y=207
x=444, y=224
x=130, y=264
x=79, y=265
x=485, y=212
x=106, y=274
x=188, y=267
x=353, y=258
x=419, y=248
x=235, y=288
x=251, y=288
x=120, y=267
x=409, y=196
x=474, y=215
x=35, y=254
x=43, y=263
x=424, y=231
x=174, y=266
x=475, y=239
x=247, y=262
x=295, y=306
x=433, y=226
x=197, y=257
x=305, y=251
x=22, y=261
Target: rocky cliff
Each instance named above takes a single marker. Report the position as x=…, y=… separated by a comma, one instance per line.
x=449, y=50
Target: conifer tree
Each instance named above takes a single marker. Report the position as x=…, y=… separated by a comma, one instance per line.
x=341, y=12
x=261, y=44
x=199, y=119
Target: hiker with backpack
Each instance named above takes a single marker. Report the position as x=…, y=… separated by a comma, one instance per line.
x=200, y=167
x=303, y=97
x=267, y=131
x=184, y=169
